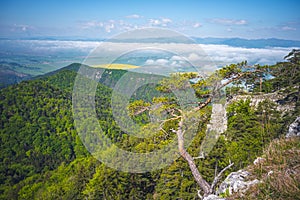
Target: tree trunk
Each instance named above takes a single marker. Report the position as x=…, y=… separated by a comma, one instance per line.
x=197, y=176
x=260, y=84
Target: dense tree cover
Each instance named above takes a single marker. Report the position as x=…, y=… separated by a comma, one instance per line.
x=284, y=80
x=42, y=156
x=249, y=130
x=287, y=74
x=38, y=136
x=37, y=133
x=37, y=130
x=247, y=137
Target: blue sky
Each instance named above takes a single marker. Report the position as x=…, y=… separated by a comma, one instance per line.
x=100, y=19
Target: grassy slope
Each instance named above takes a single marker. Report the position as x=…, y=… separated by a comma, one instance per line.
x=279, y=172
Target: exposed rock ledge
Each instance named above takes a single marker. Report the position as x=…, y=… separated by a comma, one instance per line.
x=236, y=182
x=256, y=99
x=294, y=128
x=213, y=197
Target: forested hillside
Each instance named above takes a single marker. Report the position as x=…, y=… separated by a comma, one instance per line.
x=42, y=157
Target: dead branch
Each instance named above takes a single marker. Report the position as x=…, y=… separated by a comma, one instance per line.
x=141, y=110
x=199, y=179
x=218, y=177
x=202, y=105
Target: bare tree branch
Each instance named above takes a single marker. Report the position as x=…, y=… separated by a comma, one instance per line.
x=218, y=177
x=141, y=110
x=199, y=194
x=199, y=179
x=202, y=105
x=164, y=121
x=209, y=99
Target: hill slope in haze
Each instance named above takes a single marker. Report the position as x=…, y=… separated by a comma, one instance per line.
x=9, y=75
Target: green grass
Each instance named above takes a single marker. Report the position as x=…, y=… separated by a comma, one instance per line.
x=279, y=172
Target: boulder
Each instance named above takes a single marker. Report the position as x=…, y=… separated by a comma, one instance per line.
x=294, y=128
x=259, y=160
x=236, y=182
x=213, y=197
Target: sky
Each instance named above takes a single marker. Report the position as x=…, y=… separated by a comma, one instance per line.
x=250, y=19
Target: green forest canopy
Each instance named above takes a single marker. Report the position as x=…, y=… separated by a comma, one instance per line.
x=42, y=156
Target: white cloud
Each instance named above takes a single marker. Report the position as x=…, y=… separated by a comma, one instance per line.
x=21, y=27
x=229, y=29
x=224, y=21
x=288, y=28
x=51, y=45
x=197, y=25
x=223, y=54
x=154, y=22
x=201, y=55
x=109, y=27
x=149, y=62
x=193, y=57
x=89, y=24
x=160, y=62
x=204, y=57
x=134, y=16
x=164, y=22
x=177, y=58
x=113, y=26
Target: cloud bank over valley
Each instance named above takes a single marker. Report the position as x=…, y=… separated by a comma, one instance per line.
x=202, y=56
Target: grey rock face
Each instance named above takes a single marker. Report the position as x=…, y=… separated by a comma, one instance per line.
x=216, y=126
x=236, y=182
x=294, y=128
x=259, y=160
x=213, y=197
x=256, y=99
x=218, y=120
